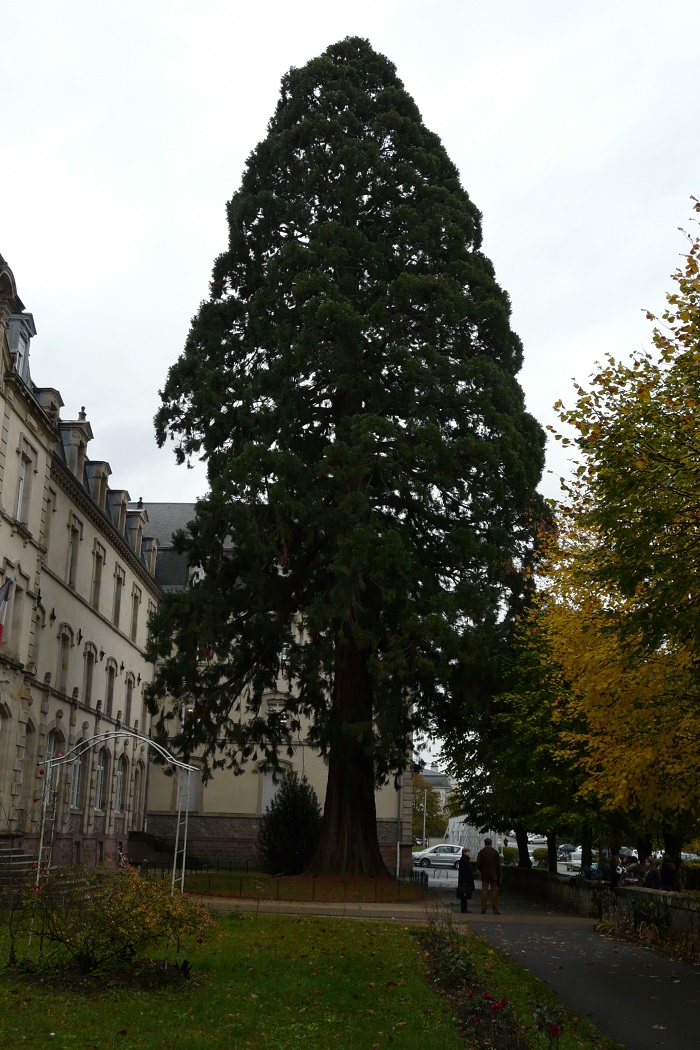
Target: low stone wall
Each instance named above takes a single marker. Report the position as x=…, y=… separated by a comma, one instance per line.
x=631, y=905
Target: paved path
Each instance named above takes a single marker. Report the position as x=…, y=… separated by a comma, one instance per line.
x=636, y=996
x=640, y=998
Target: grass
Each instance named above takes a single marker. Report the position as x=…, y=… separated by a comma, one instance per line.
x=264, y=982
x=291, y=983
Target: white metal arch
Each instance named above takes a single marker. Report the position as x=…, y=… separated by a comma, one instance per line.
x=50, y=772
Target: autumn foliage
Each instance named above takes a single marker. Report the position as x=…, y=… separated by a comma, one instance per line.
x=96, y=919
x=620, y=605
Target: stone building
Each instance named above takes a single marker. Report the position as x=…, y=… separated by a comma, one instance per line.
x=72, y=663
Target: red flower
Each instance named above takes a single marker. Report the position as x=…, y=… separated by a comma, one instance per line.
x=504, y=1001
x=41, y=772
x=477, y=1018
x=495, y=1006
x=554, y=1030
x=487, y=995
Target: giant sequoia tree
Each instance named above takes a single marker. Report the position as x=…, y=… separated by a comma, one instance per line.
x=351, y=386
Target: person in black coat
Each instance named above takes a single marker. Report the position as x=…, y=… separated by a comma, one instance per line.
x=668, y=873
x=652, y=879
x=465, y=879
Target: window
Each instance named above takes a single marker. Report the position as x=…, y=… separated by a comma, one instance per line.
x=38, y=633
x=28, y=769
x=109, y=691
x=27, y=466
x=98, y=562
x=50, y=511
x=20, y=354
x=271, y=784
x=121, y=784
x=102, y=779
x=65, y=642
x=100, y=486
x=78, y=770
x=17, y=621
x=75, y=534
x=128, y=700
x=276, y=707
x=88, y=673
x=54, y=745
x=119, y=580
x=135, y=602
x=151, y=614
x=137, y=800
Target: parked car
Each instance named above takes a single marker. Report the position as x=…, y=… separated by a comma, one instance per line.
x=438, y=857
x=573, y=860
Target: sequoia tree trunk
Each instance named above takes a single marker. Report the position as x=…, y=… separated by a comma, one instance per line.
x=348, y=843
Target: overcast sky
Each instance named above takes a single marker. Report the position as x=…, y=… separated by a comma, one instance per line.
x=125, y=128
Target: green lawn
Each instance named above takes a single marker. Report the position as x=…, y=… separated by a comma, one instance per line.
x=265, y=982
x=286, y=983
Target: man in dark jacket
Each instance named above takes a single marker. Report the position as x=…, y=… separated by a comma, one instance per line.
x=668, y=873
x=465, y=879
x=488, y=861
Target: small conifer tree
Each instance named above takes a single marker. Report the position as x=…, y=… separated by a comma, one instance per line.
x=289, y=831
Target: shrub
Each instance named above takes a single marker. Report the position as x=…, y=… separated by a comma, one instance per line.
x=690, y=873
x=289, y=831
x=540, y=857
x=510, y=855
x=97, y=918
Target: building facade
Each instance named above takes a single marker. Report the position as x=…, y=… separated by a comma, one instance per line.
x=72, y=663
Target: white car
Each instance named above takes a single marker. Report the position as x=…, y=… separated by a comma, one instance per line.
x=438, y=857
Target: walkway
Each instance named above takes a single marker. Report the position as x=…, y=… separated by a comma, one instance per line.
x=636, y=996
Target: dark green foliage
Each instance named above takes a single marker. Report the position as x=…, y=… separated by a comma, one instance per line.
x=289, y=831
x=351, y=385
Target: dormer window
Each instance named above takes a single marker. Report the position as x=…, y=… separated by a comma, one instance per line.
x=20, y=330
x=26, y=468
x=20, y=355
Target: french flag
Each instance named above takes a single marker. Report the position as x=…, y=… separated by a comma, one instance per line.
x=5, y=595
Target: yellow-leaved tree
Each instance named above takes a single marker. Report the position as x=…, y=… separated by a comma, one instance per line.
x=623, y=591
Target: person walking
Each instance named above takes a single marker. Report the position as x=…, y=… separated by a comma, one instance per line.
x=465, y=879
x=652, y=879
x=488, y=861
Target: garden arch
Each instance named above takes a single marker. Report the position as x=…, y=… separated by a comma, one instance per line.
x=50, y=772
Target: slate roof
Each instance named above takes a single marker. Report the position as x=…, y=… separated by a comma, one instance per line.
x=165, y=519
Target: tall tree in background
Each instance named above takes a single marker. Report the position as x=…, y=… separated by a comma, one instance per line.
x=351, y=384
